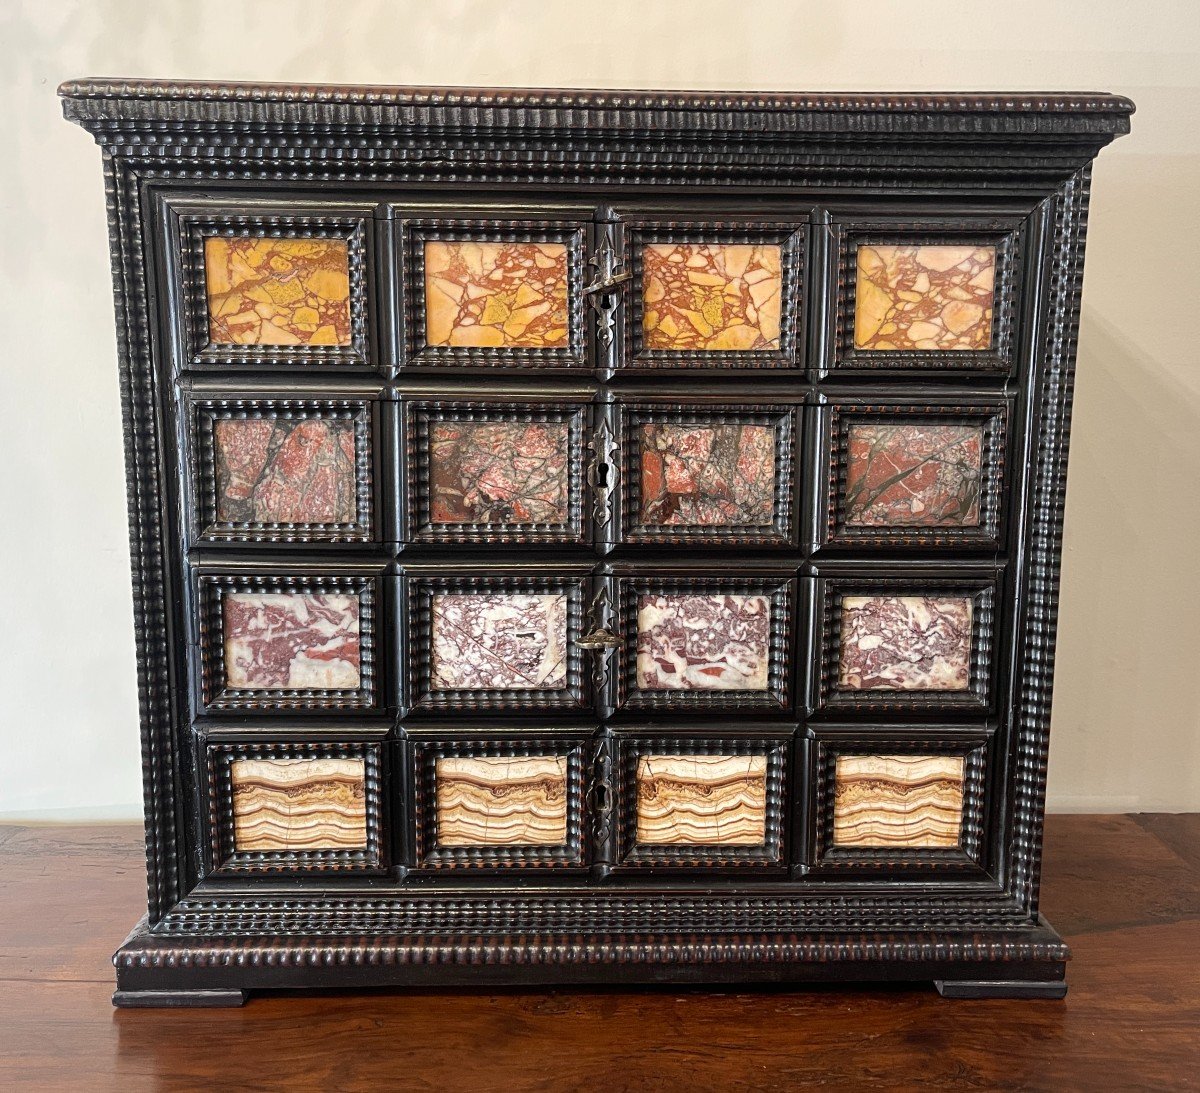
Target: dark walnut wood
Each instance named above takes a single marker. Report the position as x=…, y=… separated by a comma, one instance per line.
x=1125, y=890
x=308, y=429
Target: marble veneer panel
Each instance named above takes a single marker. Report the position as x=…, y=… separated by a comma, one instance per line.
x=707, y=800
x=898, y=800
x=285, y=470
x=707, y=475
x=499, y=641
x=510, y=294
x=299, y=804
x=924, y=297
x=703, y=642
x=905, y=643
x=711, y=296
x=500, y=472
x=277, y=640
x=913, y=474
x=501, y=800
x=265, y=290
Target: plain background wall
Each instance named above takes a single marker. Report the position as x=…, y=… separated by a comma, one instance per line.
x=1126, y=729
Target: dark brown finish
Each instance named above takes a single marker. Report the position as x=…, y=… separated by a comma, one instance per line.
x=1124, y=889
x=603, y=172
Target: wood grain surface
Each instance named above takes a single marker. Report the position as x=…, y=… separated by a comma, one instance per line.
x=1124, y=890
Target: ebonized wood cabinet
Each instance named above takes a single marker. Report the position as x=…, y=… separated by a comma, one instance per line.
x=593, y=536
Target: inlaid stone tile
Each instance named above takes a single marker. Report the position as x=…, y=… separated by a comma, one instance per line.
x=711, y=296
x=502, y=800
x=499, y=472
x=702, y=800
x=508, y=641
x=704, y=643
x=707, y=475
x=919, y=296
x=270, y=291
x=299, y=804
x=284, y=470
x=898, y=800
x=277, y=640
x=906, y=643
x=497, y=294
x=913, y=475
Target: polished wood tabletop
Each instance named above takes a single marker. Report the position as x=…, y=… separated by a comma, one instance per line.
x=1124, y=890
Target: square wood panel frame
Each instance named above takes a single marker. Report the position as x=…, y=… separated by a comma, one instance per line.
x=1006, y=233
x=837, y=417
x=496, y=228
x=430, y=745
x=194, y=223
x=634, y=743
x=226, y=859
x=202, y=416
x=214, y=695
x=421, y=414
x=968, y=859
x=633, y=413
x=792, y=238
x=421, y=585
x=832, y=589
x=780, y=587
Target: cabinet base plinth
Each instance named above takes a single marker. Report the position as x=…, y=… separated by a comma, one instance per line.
x=219, y=970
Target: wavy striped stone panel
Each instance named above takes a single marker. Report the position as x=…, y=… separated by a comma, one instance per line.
x=701, y=800
x=299, y=804
x=501, y=800
x=883, y=801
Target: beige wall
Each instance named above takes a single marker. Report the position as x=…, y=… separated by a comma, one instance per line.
x=1126, y=722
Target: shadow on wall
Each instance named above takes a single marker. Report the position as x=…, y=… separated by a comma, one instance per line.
x=1129, y=631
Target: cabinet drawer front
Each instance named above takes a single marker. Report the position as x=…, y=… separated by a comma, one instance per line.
x=923, y=294
x=708, y=472
x=690, y=798
x=295, y=806
x=910, y=474
x=904, y=642
x=485, y=800
x=498, y=470
x=898, y=802
x=489, y=290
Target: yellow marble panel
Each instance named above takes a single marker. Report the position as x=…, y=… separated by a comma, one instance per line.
x=269, y=291
x=299, y=804
x=898, y=800
x=914, y=296
x=711, y=296
x=702, y=800
x=502, y=800
x=505, y=295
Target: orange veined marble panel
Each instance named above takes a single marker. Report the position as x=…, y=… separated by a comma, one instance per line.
x=931, y=297
x=898, y=800
x=710, y=800
x=502, y=800
x=264, y=290
x=712, y=296
x=299, y=804
x=504, y=295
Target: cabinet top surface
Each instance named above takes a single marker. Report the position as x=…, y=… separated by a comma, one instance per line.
x=95, y=99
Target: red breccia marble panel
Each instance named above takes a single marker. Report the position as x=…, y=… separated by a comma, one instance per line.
x=285, y=471
x=703, y=643
x=285, y=640
x=906, y=643
x=499, y=641
x=913, y=475
x=707, y=475
x=499, y=472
